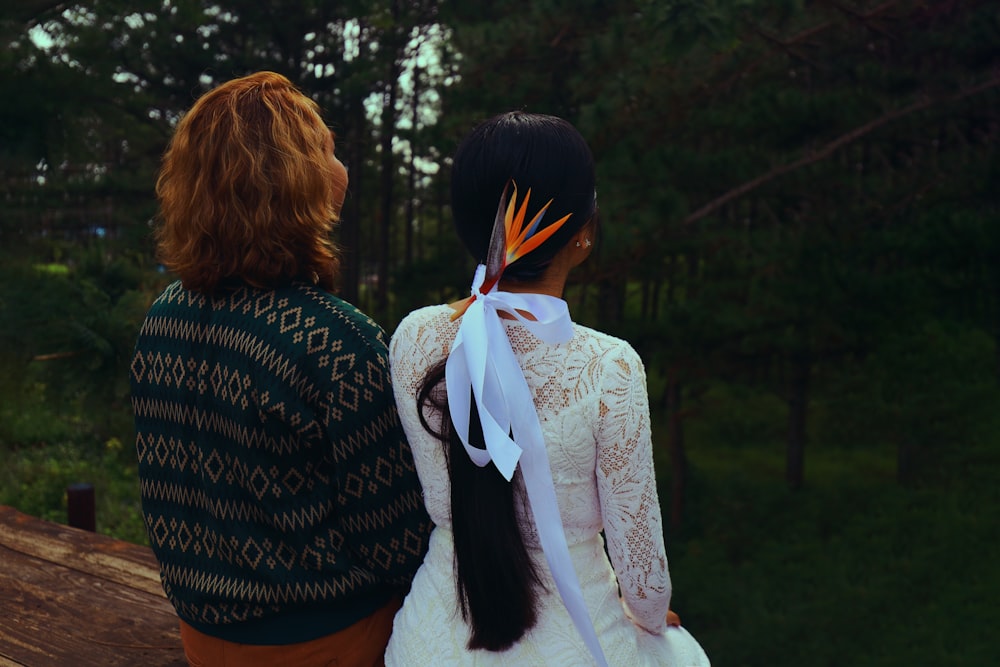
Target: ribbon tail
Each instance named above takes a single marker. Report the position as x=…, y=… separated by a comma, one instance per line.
x=545, y=509
x=494, y=410
x=541, y=493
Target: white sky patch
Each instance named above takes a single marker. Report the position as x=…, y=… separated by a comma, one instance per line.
x=134, y=21
x=41, y=38
x=352, y=40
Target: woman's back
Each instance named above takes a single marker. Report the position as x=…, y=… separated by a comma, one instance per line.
x=590, y=394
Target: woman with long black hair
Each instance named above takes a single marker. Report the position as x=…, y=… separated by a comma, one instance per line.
x=530, y=434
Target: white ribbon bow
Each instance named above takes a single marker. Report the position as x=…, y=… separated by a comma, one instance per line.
x=482, y=367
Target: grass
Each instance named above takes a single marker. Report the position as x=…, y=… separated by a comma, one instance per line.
x=851, y=569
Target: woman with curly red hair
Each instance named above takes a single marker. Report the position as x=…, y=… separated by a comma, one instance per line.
x=250, y=189
x=278, y=490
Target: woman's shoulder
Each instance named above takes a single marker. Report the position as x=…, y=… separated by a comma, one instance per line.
x=320, y=310
x=175, y=295
x=437, y=316
x=428, y=313
x=604, y=344
x=430, y=329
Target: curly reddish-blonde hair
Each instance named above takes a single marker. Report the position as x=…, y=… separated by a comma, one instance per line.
x=246, y=189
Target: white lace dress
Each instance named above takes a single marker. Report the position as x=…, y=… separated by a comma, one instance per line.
x=592, y=404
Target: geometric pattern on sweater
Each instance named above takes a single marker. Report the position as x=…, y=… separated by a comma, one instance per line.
x=274, y=474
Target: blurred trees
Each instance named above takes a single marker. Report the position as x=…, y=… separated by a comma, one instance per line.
x=797, y=199
x=767, y=173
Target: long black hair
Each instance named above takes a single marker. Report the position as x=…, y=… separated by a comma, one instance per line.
x=497, y=579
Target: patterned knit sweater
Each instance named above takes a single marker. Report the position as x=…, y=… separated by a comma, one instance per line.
x=278, y=490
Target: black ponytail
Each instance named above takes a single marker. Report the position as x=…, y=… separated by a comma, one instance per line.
x=496, y=575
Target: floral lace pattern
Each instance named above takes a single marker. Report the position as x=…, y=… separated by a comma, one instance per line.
x=590, y=393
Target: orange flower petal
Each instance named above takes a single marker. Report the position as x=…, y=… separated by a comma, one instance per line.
x=518, y=226
x=537, y=239
x=528, y=227
x=461, y=306
x=508, y=218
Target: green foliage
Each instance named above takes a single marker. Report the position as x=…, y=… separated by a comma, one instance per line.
x=411, y=290
x=34, y=480
x=926, y=395
x=742, y=416
x=66, y=341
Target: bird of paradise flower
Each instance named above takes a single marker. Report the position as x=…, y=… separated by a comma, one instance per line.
x=511, y=240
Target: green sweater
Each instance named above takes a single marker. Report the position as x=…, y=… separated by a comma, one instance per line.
x=278, y=489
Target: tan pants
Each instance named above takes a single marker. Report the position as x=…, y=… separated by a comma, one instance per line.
x=360, y=645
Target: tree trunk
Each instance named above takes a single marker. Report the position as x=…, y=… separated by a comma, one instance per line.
x=350, y=229
x=675, y=444
x=388, y=177
x=798, y=402
x=611, y=299
x=905, y=463
x=411, y=195
x=654, y=313
x=387, y=181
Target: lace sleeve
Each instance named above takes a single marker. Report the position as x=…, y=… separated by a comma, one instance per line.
x=627, y=487
x=416, y=345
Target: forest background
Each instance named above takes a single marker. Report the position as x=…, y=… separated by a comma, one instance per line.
x=800, y=235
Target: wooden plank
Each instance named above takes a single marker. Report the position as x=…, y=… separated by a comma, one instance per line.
x=63, y=617
x=99, y=555
x=69, y=597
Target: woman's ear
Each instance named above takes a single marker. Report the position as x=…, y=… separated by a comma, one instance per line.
x=584, y=237
x=582, y=242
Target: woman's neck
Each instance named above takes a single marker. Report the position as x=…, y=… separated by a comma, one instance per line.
x=552, y=282
x=552, y=285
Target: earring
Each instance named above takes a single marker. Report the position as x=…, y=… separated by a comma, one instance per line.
x=587, y=243
x=577, y=244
